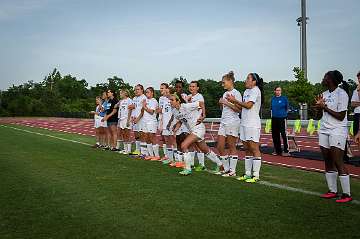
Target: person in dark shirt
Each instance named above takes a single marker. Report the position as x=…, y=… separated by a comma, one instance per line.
x=111, y=118
x=279, y=111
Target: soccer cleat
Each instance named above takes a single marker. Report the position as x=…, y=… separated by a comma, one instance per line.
x=122, y=152
x=252, y=180
x=148, y=158
x=344, y=198
x=200, y=168
x=229, y=174
x=172, y=164
x=329, y=195
x=135, y=153
x=155, y=158
x=244, y=177
x=185, y=172
x=179, y=164
x=164, y=158
x=218, y=170
x=166, y=162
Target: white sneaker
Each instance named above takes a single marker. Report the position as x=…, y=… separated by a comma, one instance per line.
x=230, y=174
x=122, y=152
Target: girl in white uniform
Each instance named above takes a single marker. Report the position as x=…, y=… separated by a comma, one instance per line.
x=229, y=126
x=97, y=121
x=124, y=123
x=136, y=111
x=195, y=96
x=250, y=125
x=165, y=115
x=150, y=150
x=187, y=114
x=333, y=134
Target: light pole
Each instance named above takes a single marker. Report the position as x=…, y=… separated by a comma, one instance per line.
x=301, y=22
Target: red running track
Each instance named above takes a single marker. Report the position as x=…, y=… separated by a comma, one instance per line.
x=86, y=127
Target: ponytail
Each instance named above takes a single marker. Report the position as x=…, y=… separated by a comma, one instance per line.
x=260, y=84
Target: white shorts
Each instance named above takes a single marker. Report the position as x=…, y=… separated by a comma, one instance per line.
x=150, y=127
x=122, y=124
x=139, y=127
x=231, y=129
x=250, y=134
x=199, y=131
x=98, y=122
x=330, y=140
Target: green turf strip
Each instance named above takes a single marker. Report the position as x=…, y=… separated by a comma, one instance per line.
x=57, y=189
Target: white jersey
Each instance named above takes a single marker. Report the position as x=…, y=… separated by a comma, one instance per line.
x=151, y=104
x=251, y=117
x=338, y=102
x=137, y=101
x=228, y=115
x=124, y=108
x=355, y=98
x=187, y=114
x=197, y=98
x=166, y=112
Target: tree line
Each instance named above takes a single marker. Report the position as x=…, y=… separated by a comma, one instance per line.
x=67, y=96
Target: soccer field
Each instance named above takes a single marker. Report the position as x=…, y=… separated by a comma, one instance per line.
x=53, y=185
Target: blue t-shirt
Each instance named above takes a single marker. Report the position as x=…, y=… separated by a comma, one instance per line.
x=105, y=107
x=279, y=106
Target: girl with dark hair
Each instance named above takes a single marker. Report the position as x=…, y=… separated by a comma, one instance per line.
x=111, y=118
x=333, y=134
x=229, y=126
x=136, y=108
x=250, y=125
x=187, y=114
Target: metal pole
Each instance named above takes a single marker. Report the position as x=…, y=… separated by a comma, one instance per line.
x=303, y=38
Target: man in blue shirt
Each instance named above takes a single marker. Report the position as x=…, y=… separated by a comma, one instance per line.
x=279, y=111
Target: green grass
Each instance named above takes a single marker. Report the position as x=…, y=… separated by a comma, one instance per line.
x=56, y=189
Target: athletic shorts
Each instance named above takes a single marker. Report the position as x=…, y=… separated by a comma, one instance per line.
x=110, y=123
x=123, y=124
x=98, y=122
x=150, y=127
x=231, y=129
x=329, y=140
x=139, y=126
x=199, y=131
x=250, y=134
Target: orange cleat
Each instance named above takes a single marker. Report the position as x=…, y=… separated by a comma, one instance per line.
x=180, y=164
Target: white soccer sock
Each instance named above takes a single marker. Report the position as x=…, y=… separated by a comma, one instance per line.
x=192, y=158
x=331, y=179
x=176, y=154
x=150, y=150
x=128, y=147
x=181, y=156
x=345, y=183
x=225, y=163
x=248, y=165
x=233, y=163
x=118, y=144
x=156, y=150
x=201, y=158
x=164, y=148
x=170, y=154
x=187, y=160
x=143, y=148
x=137, y=145
x=256, y=166
x=213, y=157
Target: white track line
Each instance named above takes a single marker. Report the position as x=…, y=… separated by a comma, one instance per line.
x=265, y=183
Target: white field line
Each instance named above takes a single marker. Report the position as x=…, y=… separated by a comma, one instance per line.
x=265, y=183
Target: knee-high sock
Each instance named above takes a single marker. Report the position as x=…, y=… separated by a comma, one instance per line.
x=150, y=150
x=233, y=163
x=156, y=150
x=128, y=147
x=201, y=158
x=345, y=183
x=256, y=166
x=170, y=154
x=143, y=148
x=248, y=165
x=225, y=162
x=181, y=156
x=187, y=160
x=164, y=148
x=176, y=154
x=331, y=179
x=213, y=157
x=137, y=145
x=192, y=154
x=118, y=144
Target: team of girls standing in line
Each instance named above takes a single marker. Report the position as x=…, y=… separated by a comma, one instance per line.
x=178, y=118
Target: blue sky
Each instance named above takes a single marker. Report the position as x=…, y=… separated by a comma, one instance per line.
x=154, y=41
